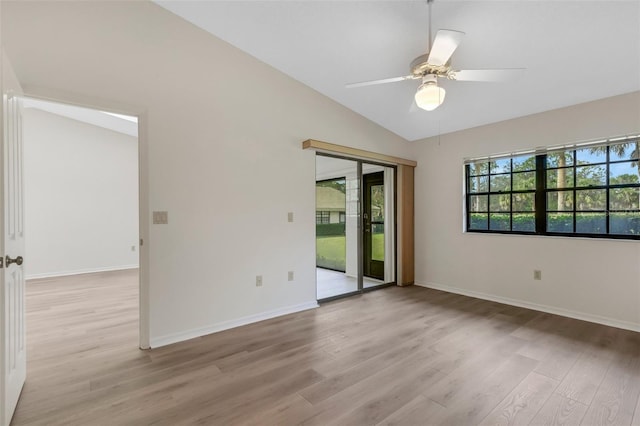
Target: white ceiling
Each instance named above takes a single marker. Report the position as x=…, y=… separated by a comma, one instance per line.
x=574, y=52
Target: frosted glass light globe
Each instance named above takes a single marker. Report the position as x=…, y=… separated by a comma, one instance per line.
x=429, y=96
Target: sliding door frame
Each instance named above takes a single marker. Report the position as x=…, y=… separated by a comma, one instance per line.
x=360, y=237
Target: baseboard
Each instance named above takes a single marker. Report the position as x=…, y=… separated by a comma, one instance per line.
x=168, y=339
x=536, y=307
x=79, y=271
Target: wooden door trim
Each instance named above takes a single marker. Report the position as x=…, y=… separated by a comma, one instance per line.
x=360, y=154
x=406, y=225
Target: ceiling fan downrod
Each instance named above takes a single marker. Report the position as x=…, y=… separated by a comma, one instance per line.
x=429, y=2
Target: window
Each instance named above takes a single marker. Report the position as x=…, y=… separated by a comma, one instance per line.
x=501, y=194
x=342, y=217
x=585, y=191
x=322, y=217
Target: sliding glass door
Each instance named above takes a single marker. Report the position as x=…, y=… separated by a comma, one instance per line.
x=355, y=226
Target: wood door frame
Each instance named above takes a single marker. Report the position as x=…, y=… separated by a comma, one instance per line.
x=143, y=186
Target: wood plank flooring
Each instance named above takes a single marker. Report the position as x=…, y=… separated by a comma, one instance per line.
x=397, y=356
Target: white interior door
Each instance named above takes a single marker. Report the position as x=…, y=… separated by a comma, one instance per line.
x=12, y=308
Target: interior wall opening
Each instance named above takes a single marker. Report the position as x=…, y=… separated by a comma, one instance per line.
x=81, y=173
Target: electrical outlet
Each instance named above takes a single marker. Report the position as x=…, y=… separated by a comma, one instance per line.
x=290, y=276
x=537, y=274
x=258, y=280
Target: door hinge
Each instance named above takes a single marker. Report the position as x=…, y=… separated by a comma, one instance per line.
x=141, y=241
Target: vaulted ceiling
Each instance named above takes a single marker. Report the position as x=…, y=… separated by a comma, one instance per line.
x=573, y=51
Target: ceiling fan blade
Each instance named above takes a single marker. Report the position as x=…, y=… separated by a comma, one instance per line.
x=383, y=81
x=504, y=74
x=443, y=47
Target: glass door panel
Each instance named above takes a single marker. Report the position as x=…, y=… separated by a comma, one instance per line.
x=378, y=219
x=373, y=216
x=337, y=208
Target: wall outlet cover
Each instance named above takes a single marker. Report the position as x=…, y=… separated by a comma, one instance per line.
x=160, y=218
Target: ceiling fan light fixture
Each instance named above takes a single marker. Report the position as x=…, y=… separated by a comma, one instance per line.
x=429, y=95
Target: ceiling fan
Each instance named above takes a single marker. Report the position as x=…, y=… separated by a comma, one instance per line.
x=436, y=63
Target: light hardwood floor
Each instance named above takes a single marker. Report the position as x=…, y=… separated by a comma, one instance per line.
x=408, y=356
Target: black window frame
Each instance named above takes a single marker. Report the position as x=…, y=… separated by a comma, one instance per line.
x=499, y=193
x=543, y=192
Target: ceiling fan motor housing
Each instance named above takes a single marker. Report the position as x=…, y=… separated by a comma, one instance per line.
x=420, y=67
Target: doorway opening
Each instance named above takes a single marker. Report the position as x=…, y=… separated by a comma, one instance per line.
x=355, y=226
x=82, y=244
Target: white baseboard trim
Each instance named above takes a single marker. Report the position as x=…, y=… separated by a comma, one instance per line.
x=626, y=325
x=79, y=271
x=168, y=339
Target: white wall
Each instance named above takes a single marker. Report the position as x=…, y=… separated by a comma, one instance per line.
x=594, y=279
x=224, y=135
x=81, y=196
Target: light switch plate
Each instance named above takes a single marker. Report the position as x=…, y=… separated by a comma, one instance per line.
x=290, y=216
x=160, y=218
